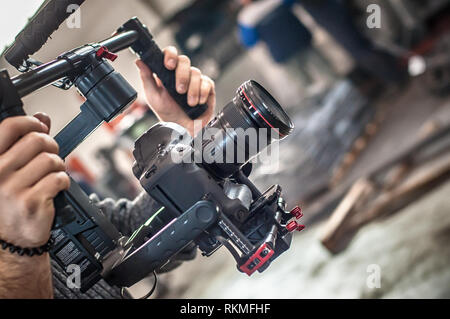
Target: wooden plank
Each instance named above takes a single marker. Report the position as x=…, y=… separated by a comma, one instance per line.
x=335, y=226
x=391, y=201
x=389, y=188
x=321, y=207
x=361, y=206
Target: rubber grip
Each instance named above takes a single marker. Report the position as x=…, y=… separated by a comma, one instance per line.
x=154, y=59
x=39, y=29
x=10, y=102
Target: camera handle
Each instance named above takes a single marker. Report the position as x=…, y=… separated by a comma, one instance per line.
x=149, y=52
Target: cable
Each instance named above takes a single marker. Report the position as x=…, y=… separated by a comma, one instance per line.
x=230, y=248
x=122, y=291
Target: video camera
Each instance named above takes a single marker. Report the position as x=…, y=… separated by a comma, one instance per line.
x=205, y=201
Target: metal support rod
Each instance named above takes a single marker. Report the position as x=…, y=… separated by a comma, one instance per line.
x=52, y=71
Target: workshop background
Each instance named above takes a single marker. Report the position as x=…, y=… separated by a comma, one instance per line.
x=368, y=162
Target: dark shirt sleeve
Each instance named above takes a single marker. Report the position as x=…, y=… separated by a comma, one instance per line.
x=127, y=215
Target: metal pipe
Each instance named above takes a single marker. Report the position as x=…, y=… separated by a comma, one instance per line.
x=41, y=76
x=52, y=71
x=120, y=41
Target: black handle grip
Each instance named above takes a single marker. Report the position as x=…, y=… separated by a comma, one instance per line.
x=154, y=59
x=10, y=102
x=149, y=52
x=64, y=213
x=38, y=30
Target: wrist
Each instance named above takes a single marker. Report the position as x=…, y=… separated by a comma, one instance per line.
x=27, y=251
x=7, y=258
x=24, y=276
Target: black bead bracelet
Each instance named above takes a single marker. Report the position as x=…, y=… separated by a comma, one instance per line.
x=35, y=251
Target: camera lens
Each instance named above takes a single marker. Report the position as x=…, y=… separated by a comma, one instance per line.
x=245, y=126
x=263, y=109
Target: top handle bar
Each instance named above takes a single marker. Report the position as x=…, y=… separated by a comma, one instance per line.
x=132, y=34
x=41, y=26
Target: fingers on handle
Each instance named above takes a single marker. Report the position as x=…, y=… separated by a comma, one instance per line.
x=147, y=77
x=206, y=89
x=183, y=74
x=194, y=87
x=27, y=148
x=170, y=57
x=52, y=184
x=38, y=169
x=13, y=128
x=42, y=194
x=44, y=118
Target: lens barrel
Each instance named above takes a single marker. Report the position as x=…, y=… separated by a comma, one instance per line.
x=245, y=126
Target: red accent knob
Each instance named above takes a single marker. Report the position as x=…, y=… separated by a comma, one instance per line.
x=291, y=226
x=297, y=212
x=104, y=53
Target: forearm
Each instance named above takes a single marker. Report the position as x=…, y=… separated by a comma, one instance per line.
x=25, y=277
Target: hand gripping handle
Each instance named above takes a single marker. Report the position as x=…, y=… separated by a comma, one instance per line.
x=149, y=52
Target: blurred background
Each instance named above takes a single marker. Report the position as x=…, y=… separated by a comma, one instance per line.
x=367, y=85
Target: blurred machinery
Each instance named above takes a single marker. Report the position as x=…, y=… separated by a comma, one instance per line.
x=434, y=67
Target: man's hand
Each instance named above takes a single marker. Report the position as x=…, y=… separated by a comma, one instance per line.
x=199, y=88
x=31, y=174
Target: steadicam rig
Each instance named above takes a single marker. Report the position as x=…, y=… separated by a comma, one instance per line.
x=203, y=202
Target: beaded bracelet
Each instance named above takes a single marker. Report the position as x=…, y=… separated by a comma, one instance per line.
x=27, y=251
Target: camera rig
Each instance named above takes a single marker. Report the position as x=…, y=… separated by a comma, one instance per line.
x=203, y=202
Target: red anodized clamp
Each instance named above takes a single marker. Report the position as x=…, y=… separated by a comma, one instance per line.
x=259, y=258
x=104, y=53
x=297, y=212
x=293, y=225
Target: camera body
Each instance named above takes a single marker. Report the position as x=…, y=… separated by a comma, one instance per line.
x=206, y=196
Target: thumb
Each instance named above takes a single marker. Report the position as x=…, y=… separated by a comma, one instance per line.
x=148, y=80
x=44, y=118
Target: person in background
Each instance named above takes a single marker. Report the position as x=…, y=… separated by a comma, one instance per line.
x=334, y=17
x=288, y=41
